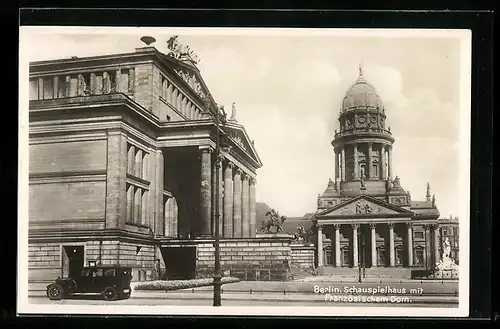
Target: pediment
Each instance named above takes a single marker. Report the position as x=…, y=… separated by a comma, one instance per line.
x=364, y=206
x=238, y=136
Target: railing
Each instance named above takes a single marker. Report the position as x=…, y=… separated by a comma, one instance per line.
x=362, y=130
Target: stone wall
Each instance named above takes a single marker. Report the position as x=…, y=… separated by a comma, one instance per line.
x=302, y=256
x=247, y=259
x=44, y=261
x=45, y=264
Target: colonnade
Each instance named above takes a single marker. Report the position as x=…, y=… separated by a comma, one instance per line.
x=430, y=230
x=383, y=161
x=237, y=199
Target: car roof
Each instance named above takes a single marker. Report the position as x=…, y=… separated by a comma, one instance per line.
x=108, y=266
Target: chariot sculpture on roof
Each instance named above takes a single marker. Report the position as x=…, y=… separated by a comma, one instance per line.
x=180, y=51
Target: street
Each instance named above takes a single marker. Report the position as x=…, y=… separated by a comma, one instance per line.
x=204, y=298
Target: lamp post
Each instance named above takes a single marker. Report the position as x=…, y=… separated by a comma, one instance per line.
x=220, y=123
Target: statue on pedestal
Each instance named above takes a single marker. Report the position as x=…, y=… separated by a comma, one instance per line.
x=446, y=248
x=446, y=267
x=302, y=236
x=274, y=220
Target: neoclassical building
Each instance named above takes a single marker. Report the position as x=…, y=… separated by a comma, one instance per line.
x=365, y=215
x=122, y=169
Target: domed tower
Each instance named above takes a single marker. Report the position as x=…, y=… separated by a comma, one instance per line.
x=363, y=146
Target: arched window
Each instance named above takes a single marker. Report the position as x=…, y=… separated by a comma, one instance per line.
x=171, y=218
x=375, y=168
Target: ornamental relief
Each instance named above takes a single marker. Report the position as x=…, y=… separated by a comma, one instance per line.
x=362, y=207
x=192, y=81
x=238, y=140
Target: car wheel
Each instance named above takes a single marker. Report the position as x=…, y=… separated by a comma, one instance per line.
x=55, y=292
x=110, y=293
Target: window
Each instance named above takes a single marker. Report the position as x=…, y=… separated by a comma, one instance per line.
x=419, y=257
x=419, y=235
x=328, y=256
x=375, y=169
x=399, y=256
x=109, y=272
x=85, y=272
x=445, y=231
x=99, y=272
x=345, y=257
x=381, y=257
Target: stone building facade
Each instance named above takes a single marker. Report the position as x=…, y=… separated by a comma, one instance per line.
x=365, y=215
x=122, y=168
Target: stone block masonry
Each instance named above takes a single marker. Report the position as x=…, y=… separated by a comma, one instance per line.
x=302, y=256
x=247, y=259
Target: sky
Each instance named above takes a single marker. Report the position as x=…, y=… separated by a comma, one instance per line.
x=288, y=88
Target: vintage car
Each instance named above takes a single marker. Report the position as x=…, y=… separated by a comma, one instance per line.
x=111, y=282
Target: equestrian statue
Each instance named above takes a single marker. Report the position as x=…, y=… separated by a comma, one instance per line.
x=274, y=220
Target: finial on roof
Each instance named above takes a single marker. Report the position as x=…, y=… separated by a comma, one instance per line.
x=233, y=113
x=428, y=195
x=361, y=77
x=148, y=40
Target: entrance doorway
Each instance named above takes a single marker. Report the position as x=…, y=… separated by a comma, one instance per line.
x=180, y=262
x=73, y=260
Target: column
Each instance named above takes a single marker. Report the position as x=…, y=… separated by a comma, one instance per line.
x=220, y=200
x=116, y=180
x=355, y=228
x=355, y=151
x=245, y=210
x=228, y=200
x=337, y=245
x=369, y=172
x=214, y=189
x=389, y=159
x=320, y=244
x=237, y=204
x=435, y=233
x=337, y=176
x=391, y=245
x=410, y=244
x=374, y=244
x=383, y=165
x=206, y=192
x=342, y=164
x=253, y=210
x=427, y=235
x=159, y=179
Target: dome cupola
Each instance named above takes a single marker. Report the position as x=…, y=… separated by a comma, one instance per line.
x=361, y=95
